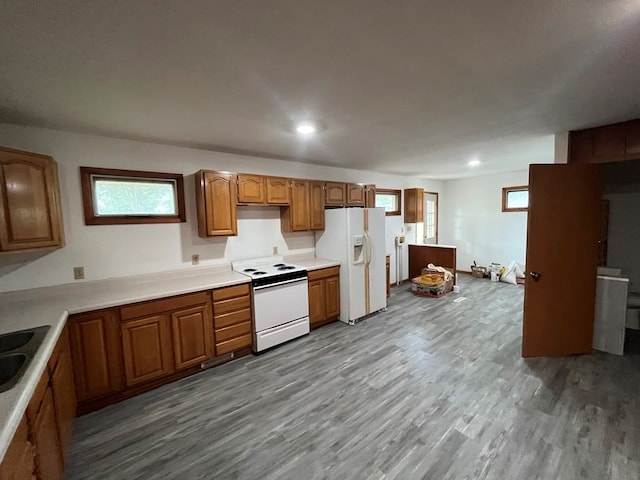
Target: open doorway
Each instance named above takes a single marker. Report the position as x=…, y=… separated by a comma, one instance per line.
x=430, y=218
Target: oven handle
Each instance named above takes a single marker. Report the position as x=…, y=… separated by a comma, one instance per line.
x=277, y=284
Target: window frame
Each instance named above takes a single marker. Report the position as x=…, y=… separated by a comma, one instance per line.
x=397, y=194
x=437, y=216
x=505, y=193
x=87, y=175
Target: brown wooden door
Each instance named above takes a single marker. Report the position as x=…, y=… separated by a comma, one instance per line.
x=216, y=195
x=299, y=206
x=30, y=212
x=317, y=309
x=97, y=354
x=609, y=142
x=335, y=194
x=562, y=252
x=277, y=191
x=64, y=398
x=316, y=205
x=146, y=348
x=192, y=336
x=251, y=188
x=332, y=297
x=47, y=445
x=355, y=195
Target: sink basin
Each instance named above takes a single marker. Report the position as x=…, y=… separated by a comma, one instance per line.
x=11, y=369
x=11, y=341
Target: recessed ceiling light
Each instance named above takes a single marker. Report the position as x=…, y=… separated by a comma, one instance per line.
x=306, y=128
x=474, y=163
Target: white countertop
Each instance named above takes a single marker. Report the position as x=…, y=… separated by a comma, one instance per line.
x=25, y=309
x=430, y=245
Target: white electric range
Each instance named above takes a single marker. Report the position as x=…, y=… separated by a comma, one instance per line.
x=280, y=300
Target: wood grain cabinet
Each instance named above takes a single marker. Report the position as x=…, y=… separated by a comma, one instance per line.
x=192, y=335
x=324, y=296
x=335, y=194
x=251, y=188
x=30, y=212
x=97, y=353
x=316, y=205
x=297, y=217
x=19, y=460
x=277, y=191
x=370, y=196
x=355, y=195
x=216, y=194
x=232, y=320
x=413, y=205
x=44, y=429
x=609, y=143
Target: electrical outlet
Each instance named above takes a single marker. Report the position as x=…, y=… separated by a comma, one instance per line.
x=195, y=259
x=78, y=273
x=275, y=249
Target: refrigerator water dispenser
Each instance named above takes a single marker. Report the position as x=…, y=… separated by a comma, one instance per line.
x=358, y=249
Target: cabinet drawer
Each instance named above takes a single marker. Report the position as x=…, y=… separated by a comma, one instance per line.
x=230, y=292
x=324, y=273
x=232, y=318
x=163, y=305
x=234, y=331
x=231, y=305
x=233, y=345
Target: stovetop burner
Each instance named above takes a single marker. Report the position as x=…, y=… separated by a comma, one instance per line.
x=279, y=265
x=259, y=273
x=286, y=267
x=249, y=270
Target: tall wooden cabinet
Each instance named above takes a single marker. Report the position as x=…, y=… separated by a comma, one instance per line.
x=30, y=211
x=370, y=196
x=297, y=217
x=216, y=194
x=609, y=143
x=324, y=296
x=316, y=205
x=413, y=205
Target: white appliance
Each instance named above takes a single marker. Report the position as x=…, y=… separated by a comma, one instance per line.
x=356, y=237
x=280, y=300
x=610, y=316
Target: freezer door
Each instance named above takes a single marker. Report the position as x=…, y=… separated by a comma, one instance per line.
x=355, y=300
x=377, y=261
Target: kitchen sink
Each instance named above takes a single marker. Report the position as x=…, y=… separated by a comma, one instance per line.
x=17, y=349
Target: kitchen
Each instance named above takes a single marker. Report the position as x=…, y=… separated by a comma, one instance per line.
x=157, y=359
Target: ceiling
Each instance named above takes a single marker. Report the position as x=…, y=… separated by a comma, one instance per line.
x=407, y=87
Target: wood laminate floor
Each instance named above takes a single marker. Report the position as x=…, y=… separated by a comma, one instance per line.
x=430, y=389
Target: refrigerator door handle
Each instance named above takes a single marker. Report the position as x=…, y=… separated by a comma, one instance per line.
x=367, y=248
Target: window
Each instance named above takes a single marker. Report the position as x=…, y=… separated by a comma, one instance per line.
x=111, y=197
x=515, y=199
x=431, y=217
x=390, y=200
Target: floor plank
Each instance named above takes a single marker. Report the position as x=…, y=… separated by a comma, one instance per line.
x=429, y=389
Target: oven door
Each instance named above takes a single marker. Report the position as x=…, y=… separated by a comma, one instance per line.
x=281, y=303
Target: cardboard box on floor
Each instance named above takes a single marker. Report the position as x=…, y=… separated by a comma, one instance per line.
x=449, y=284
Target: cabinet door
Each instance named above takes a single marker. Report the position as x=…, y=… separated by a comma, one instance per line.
x=64, y=399
x=335, y=194
x=633, y=140
x=96, y=353
x=30, y=213
x=370, y=196
x=277, y=191
x=47, y=445
x=251, y=188
x=216, y=194
x=355, y=195
x=413, y=205
x=192, y=336
x=316, y=302
x=19, y=461
x=332, y=297
x=146, y=347
x=299, y=206
x=316, y=205
x=608, y=143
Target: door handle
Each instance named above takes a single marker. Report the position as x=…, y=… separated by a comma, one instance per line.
x=535, y=275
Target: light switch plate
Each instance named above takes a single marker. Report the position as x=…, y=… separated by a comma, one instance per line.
x=195, y=259
x=78, y=273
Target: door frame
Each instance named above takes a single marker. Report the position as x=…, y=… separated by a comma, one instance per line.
x=437, y=214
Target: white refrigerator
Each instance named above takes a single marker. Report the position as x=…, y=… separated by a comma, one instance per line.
x=356, y=237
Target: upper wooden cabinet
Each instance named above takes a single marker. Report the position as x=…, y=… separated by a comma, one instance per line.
x=609, y=143
x=355, y=195
x=30, y=212
x=297, y=217
x=278, y=190
x=251, y=188
x=413, y=205
x=216, y=203
x=316, y=205
x=335, y=194
x=97, y=353
x=370, y=196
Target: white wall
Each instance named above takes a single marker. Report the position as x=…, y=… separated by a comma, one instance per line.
x=120, y=250
x=624, y=236
x=471, y=218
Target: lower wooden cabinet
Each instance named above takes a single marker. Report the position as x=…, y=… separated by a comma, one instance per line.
x=324, y=296
x=192, y=335
x=19, y=459
x=64, y=392
x=44, y=428
x=232, y=319
x=146, y=348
